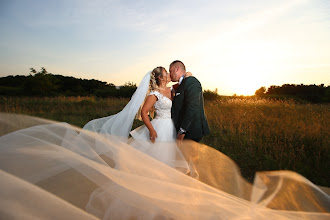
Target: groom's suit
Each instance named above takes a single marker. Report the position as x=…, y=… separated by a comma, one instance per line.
x=188, y=109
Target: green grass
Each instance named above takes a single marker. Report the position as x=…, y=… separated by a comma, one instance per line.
x=258, y=134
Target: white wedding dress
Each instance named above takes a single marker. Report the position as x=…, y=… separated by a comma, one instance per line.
x=164, y=149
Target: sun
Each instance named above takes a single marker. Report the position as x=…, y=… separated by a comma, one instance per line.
x=245, y=84
x=246, y=77
x=253, y=66
x=242, y=66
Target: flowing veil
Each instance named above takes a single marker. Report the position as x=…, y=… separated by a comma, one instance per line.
x=52, y=170
x=121, y=123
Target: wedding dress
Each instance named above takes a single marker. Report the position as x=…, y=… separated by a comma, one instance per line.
x=52, y=170
x=120, y=124
x=164, y=149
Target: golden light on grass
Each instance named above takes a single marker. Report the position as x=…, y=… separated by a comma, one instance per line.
x=258, y=134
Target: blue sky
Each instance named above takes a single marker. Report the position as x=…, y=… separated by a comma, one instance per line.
x=235, y=46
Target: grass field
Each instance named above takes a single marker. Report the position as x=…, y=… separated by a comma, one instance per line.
x=258, y=134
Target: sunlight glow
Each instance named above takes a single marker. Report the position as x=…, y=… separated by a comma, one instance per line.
x=236, y=47
x=245, y=66
x=254, y=63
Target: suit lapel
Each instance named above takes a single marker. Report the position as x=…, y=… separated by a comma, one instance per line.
x=180, y=88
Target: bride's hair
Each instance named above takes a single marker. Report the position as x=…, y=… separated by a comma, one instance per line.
x=155, y=76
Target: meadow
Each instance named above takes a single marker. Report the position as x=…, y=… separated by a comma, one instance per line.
x=258, y=134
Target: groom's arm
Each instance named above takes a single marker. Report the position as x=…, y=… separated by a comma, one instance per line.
x=193, y=91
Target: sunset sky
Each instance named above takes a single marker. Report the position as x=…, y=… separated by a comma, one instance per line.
x=236, y=46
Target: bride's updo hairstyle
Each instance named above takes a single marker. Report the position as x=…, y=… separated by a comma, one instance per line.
x=155, y=77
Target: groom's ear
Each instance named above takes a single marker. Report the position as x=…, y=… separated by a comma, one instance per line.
x=177, y=68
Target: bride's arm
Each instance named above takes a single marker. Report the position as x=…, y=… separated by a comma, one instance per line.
x=149, y=103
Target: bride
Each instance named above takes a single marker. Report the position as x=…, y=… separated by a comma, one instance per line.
x=156, y=138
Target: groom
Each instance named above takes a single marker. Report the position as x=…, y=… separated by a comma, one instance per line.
x=188, y=105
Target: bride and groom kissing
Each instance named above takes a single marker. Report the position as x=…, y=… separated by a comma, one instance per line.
x=91, y=176
x=179, y=115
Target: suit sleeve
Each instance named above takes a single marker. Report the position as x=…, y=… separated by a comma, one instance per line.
x=193, y=91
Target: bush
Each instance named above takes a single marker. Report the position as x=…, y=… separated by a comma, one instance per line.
x=210, y=95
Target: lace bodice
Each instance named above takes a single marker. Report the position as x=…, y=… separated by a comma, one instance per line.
x=162, y=106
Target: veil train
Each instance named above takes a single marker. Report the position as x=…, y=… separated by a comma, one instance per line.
x=55, y=170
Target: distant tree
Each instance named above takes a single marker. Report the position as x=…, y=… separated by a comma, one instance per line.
x=326, y=97
x=261, y=91
x=109, y=90
x=127, y=90
x=210, y=95
x=40, y=83
x=32, y=70
x=272, y=90
x=310, y=93
x=43, y=83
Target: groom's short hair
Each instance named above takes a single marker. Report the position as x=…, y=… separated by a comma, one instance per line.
x=178, y=62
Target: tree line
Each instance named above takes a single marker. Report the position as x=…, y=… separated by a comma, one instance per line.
x=310, y=93
x=46, y=84
x=43, y=83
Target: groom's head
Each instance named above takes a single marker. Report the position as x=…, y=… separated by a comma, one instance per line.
x=177, y=69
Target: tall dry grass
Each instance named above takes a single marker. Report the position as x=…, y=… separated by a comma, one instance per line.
x=74, y=110
x=261, y=134
x=258, y=134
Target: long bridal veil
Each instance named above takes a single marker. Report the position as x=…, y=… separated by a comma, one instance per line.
x=54, y=170
x=121, y=123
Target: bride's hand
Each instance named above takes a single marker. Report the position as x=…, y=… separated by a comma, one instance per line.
x=153, y=136
x=188, y=74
